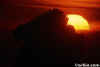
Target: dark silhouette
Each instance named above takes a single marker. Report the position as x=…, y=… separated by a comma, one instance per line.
x=48, y=40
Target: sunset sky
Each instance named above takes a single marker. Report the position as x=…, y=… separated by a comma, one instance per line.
x=67, y=3
x=11, y=12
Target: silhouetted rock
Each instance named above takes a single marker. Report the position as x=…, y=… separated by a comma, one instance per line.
x=48, y=39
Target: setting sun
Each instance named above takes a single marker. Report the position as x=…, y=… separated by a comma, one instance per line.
x=78, y=22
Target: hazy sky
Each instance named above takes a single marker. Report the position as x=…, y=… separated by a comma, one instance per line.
x=11, y=16
x=72, y=3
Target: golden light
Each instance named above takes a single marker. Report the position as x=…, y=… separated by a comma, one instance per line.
x=78, y=22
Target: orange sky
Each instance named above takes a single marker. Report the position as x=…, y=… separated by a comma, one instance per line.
x=10, y=15
x=80, y=3
x=72, y=3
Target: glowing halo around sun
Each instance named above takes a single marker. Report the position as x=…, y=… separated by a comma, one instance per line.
x=79, y=23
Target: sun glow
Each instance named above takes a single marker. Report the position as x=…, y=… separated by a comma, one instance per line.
x=78, y=22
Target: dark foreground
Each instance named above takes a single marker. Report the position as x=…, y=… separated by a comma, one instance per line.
x=48, y=40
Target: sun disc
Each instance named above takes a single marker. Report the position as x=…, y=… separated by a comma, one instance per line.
x=78, y=22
